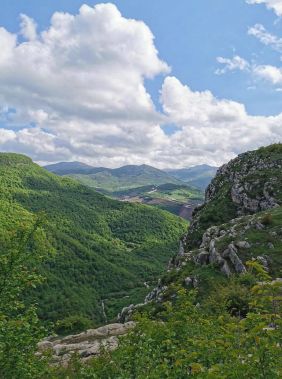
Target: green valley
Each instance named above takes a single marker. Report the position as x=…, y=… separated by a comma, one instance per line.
x=178, y=199
x=136, y=184
x=106, y=253
x=198, y=176
x=111, y=180
x=216, y=312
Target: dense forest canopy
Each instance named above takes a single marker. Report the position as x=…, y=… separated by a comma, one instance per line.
x=99, y=249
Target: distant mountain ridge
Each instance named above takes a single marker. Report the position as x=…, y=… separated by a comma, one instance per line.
x=198, y=176
x=137, y=184
x=116, y=179
x=65, y=168
x=134, y=176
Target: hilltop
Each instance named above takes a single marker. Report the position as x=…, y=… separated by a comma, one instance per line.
x=106, y=252
x=65, y=168
x=246, y=185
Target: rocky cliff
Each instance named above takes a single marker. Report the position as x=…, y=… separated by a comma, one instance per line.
x=240, y=221
x=246, y=185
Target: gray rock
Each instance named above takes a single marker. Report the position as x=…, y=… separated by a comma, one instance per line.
x=202, y=258
x=44, y=345
x=243, y=244
x=263, y=260
x=231, y=253
x=188, y=281
x=259, y=226
x=85, y=344
x=225, y=269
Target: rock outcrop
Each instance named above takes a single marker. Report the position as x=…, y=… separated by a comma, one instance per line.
x=86, y=344
x=246, y=185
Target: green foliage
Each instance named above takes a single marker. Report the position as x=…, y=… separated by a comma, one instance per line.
x=221, y=208
x=20, y=329
x=193, y=343
x=124, y=178
x=105, y=249
x=72, y=325
x=256, y=268
x=215, y=212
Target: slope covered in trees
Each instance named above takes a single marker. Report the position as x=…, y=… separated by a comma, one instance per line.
x=217, y=312
x=111, y=180
x=103, y=254
x=137, y=184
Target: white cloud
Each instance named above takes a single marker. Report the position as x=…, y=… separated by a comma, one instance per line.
x=266, y=72
x=28, y=28
x=265, y=37
x=82, y=82
x=269, y=73
x=79, y=85
x=275, y=5
x=235, y=63
x=212, y=130
x=6, y=135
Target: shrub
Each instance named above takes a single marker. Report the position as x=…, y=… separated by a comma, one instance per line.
x=267, y=219
x=72, y=324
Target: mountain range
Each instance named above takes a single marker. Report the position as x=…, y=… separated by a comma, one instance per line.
x=178, y=191
x=133, y=176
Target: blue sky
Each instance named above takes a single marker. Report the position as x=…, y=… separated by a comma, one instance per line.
x=189, y=36
x=225, y=71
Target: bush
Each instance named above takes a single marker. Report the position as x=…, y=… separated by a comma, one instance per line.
x=72, y=324
x=267, y=219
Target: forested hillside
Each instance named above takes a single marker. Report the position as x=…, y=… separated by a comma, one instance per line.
x=103, y=253
x=112, y=180
x=216, y=313
x=136, y=184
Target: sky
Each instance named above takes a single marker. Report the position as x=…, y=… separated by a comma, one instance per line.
x=170, y=84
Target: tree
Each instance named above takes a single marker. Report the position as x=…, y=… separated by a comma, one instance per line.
x=20, y=329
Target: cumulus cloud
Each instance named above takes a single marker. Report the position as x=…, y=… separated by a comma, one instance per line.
x=213, y=130
x=235, y=63
x=265, y=37
x=82, y=82
x=275, y=5
x=270, y=73
x=76, y=91
x=28, y=27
